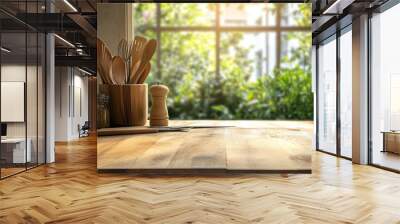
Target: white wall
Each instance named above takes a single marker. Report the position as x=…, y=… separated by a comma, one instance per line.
x=70, y=83
x=114, y=22
x=61, y=103
x=79, y=117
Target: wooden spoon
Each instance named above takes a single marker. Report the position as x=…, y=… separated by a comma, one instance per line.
x=118, y=70
x=145, y=73
x=106, y=65
x=148, y=53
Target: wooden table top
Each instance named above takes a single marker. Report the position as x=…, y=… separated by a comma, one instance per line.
x=249, y=145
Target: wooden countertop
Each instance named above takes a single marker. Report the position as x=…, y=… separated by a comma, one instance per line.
x=249, y=145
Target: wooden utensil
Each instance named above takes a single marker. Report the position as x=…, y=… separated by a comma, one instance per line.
x=136, y=53
x=100, y=49
x=148, y=53
x=118, y=70
x=106, y=61
x=146, y=71
x=125, y=51
x=100, y=53
x=133, y=72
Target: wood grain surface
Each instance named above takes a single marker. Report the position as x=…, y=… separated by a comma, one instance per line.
x=72, y=191
x=249, y=145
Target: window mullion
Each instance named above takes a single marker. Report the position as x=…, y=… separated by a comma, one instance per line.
x=217, y=42
x=158, y=33
x=278, y=35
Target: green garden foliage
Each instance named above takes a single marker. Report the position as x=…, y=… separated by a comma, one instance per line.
x=197, y=91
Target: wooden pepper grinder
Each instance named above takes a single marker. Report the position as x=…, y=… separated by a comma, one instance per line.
x=159, y=110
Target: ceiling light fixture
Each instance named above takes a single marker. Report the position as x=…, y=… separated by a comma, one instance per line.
x=5, y=50
x=84, y=71
x=70, y=5
x=337, y=7
x=65, y=41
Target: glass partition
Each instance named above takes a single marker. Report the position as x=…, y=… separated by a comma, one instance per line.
x=22, y=88
x=15, y=149
x=327, y=96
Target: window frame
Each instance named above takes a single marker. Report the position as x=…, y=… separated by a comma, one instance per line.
x=278, y=29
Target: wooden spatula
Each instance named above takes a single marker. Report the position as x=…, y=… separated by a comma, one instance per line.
x=134, y=69
x=118, y=70
x=136, y=53
x=148, y=53
x=100, y=49
x=146, y=71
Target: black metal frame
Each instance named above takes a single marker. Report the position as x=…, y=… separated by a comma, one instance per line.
x=369, y=114
x=338, y=98
x=29, y=29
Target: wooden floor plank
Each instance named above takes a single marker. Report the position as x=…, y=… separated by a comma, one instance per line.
x=72, y=191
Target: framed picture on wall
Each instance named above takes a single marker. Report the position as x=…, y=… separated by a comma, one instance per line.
x=12, y=101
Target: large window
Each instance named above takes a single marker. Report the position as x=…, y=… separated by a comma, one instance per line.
x=335, y=107
x=385, y=89
x=346, y=93
x=231, y=61
x=327, y=96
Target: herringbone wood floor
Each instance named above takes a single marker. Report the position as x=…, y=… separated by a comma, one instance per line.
x=71, y=191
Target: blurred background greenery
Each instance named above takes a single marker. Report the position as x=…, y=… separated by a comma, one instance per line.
x=230, y=60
